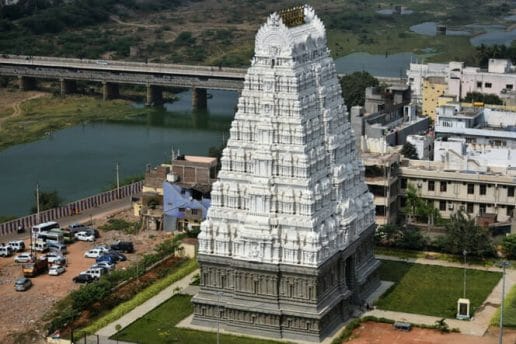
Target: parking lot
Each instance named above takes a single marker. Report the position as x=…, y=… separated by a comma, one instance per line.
x=28, y=307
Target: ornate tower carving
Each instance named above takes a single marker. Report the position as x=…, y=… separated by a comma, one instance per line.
x=287, y=247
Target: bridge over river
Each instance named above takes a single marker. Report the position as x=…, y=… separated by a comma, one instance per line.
x=112, y=73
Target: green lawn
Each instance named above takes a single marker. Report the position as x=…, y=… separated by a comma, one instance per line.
x=158, y=327
x=433, y=290
x=509, y=309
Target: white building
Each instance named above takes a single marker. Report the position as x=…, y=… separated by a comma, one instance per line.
x=423, y=145
x=288, y=242
x=499, y=78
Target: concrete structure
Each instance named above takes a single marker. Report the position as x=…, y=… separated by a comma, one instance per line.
x=423, y=145
x=183, y=209
x=499, y=78
x=112, y=73
x=287, y=248
x=150, y=206
x=381, y=177
x=471, y=188
x=196, y=172
x=433, y=89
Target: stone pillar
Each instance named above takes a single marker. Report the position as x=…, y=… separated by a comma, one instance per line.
x=109, y=90
x=154, y=95
x=67, y=86
x=26, y=83
x=199, y=99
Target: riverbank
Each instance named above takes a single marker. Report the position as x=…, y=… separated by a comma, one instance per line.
x=29, y=116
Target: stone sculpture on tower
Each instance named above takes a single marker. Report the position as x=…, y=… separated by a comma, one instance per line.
x=286, y=250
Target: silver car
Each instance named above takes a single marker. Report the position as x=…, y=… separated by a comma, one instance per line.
x=22, y=284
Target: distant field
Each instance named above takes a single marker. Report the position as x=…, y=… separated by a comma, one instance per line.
x=433, y=290
x=221, y=32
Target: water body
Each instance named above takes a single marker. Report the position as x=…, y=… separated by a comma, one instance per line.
x=389, y=65
x=430, y=29
x=81, y=160
x=392, y=11
x=494, y=37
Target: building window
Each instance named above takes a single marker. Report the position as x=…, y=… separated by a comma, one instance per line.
x=479, y=84
x=443, y=186
x=510, y=211
x=510, y=191
x=442, y=205
x=482, y=209
x=488, y=85
x=194, y=211
x=431, y=185
x=471, y=189
x=482, y=189
x=403, y=183
x=469, y=208
x=508, y=86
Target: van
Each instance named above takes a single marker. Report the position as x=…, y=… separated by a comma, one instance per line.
x=40, y=246
x=6, y=251
x=95, y=272
x=17, y=245
x=57, y=247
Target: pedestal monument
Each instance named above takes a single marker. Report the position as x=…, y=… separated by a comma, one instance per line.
x=287, y=248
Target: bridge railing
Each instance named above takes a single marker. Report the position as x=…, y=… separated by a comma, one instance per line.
x=125, y=65
x=72, y=208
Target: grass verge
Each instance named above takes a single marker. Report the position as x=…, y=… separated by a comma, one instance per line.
x=158, y=326
x=124, y=308
x=509, y=310
x=433, y=290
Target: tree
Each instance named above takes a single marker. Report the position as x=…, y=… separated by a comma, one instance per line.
x=509, y=246
x=463, y=234
x=491, y=99
x=409, y=151
x=354, y=85
x=47, y=200
x=420, y=209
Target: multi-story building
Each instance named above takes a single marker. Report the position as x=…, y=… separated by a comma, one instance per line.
x=476, y=192
x=287, y=247
x=433, y=88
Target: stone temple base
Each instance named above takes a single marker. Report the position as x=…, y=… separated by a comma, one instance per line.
x=286, y=301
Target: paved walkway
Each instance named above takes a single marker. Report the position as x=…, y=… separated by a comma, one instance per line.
x=478, y=325
x=149, y=305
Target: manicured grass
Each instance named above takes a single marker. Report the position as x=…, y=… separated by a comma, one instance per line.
x=433, y=290
x=509, y=309
x=158, y=326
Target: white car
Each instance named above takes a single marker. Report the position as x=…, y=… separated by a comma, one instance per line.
x=84, y=236
x=53, y=257
x=24, y=258
x=103, y=248
x=93, y=253
x=56, y=270
x=106, y=265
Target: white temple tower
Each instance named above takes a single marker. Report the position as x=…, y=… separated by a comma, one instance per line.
x=287, y=247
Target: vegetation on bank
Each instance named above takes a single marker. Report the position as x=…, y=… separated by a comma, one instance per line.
x=431, y=289
x=159, y=326
x=509, y=309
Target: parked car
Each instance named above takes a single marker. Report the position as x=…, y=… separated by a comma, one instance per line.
x=77, y=227
x=56, y=270
x=102, y=248
x=17, y=245
x=83, y=278
x=22, y=284
x=119, y=257
x=96, y=272
x=93, y=253
x=6, y=251
x=105, y=258
x=24, y=257
x=39, y=246
x=107, y=265
x=92, y=231
x=57, y=247
x=123, y=246
x=52, y=257
x=84, y=236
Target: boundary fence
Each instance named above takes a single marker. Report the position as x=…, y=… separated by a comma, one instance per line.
x=72, y=208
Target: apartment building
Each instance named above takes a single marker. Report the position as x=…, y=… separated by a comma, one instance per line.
x=477, y=193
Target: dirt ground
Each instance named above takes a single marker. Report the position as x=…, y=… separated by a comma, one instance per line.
x=379, y=333
x=26, y=308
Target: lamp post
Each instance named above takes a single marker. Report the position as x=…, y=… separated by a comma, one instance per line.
x=503, y=264
x=464, y=253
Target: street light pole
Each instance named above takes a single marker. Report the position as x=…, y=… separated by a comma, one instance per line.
x=464, y=253
x=503, y=264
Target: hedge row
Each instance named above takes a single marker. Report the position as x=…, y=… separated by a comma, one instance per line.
x=151, y=291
